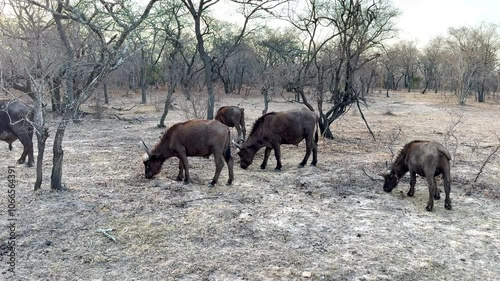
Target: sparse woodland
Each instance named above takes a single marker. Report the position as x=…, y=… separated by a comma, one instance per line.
x=182, y=59
x=330, y=54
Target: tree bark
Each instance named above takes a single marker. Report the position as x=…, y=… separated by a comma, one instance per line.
x=143, y=77
x=105, y=90
x=58, y=157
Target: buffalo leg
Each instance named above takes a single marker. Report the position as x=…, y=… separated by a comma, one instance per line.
x=315, y=154
x=181, y=171
x=436, y=194
x=447, y=189
x=238, y=129
x=230, y=164
x=27, y=151
x=309, y=145
x=267, y=152
x=413, y=180
x=277, y=154
x=185, y=163
x=432, y=190
x=219, y=164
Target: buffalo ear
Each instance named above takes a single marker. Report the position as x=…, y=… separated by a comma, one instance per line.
x=383, y=175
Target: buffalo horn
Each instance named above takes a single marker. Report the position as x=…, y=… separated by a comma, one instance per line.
x=237, y=144
x=147, y=149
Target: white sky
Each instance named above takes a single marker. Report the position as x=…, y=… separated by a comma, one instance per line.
x=421, y=20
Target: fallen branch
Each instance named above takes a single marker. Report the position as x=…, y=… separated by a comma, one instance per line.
x=364, y=119
x=486, y=162
x=136, y=119
x=123, y=109
x=105, y=233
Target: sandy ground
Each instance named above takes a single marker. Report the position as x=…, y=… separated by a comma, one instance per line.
x=331, y=222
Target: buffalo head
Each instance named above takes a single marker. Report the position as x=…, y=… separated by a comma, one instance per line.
x=390, y=181
x=152, y=163
x=246, y=154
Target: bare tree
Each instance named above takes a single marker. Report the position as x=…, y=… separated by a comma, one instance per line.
x=95, y=18
x=358, y=28
x=250, y=10
x=408, y=62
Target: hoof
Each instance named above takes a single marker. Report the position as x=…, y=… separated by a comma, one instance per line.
x=277, y=169
x=301, y=165
x=314, y=164
x=447, y=206
x=178, y=178
x=437, y=197
x=428, y=208
x=229, y=182
x=410, y=194
x=29, y=164
x=262, y=167
x=211, y=184
x=186, y=182
x=20, y=161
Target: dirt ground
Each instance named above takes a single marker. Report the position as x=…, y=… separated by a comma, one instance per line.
x=330, y=222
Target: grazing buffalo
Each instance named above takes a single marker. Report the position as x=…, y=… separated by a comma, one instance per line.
x=15, y=123
x=425, y=158
x=233, y=116
x=192, y=138
x=276, y=128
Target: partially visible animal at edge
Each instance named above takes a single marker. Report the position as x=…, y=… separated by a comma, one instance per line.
x=15, y=124
x=233, y=116
x=425, y=158
x=276, y=128
x=192, y=138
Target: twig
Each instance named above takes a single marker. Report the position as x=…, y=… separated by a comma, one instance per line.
x=105, y=232
x=184, y=203
x=486, y=162
x=366, y=122
x=364, y=172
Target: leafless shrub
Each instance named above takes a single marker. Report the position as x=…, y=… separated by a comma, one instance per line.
x=451, y=139
x=388, y=112
x=196, y=107
x=393, y=140
x=488, y=159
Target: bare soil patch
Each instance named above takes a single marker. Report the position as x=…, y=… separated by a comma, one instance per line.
x=331, y=222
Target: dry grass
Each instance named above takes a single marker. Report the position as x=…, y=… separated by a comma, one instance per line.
x=327, y=223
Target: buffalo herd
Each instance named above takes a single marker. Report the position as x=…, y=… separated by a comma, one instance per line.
x=212, y=137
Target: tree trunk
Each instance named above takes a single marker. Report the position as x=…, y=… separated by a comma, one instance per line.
x=324, y=127
x=41, y=140
x=105, y=90
x=55, y=94
x=208, y=68
x=265, y=93
x=425, y=87
x=40, y=131
x=57, y=161
x=168, y=101
x=143, y=77
x=240, y=81
x=480, y=93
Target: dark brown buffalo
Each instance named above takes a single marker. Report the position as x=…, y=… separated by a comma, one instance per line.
x=276, y=128
x=425, y=158
x=15, y=117
x=192, y=138
x=233, y=116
